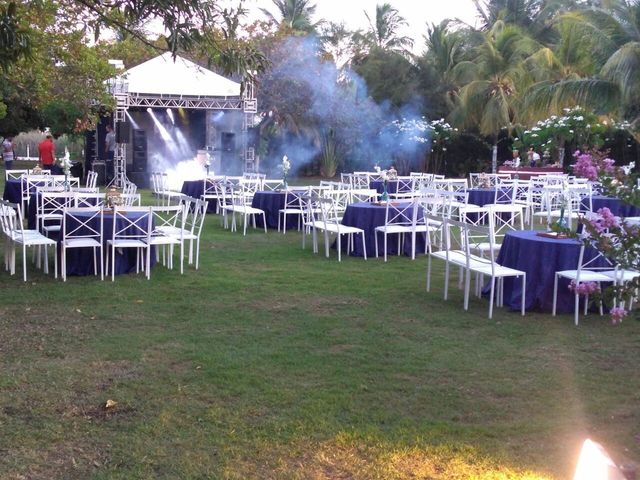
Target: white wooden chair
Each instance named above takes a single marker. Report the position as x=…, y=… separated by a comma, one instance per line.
x=82, y=228
x=586, y=271
x=131, y=229
x=330, y=224
x=16, y=235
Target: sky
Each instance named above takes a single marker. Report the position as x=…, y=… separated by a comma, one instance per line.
x=351, y=12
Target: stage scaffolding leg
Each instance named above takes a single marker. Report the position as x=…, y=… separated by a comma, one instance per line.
x=119, y=167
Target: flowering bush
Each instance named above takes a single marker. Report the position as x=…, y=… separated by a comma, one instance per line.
x=575, y=125
x=408, y=134
x=617, y=239
x=590, y=164
x=617, y=314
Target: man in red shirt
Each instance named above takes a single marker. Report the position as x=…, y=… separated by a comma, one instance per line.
x=47, y=152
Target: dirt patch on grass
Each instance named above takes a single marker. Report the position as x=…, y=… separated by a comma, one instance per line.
x=41, y=331
x=65, y=460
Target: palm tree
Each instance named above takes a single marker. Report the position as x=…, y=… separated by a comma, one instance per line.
x=610, y=34
x=294, y=15
x=383, y=30
x=489, y=102
x=445, y=50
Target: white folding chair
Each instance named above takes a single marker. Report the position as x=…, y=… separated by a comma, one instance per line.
x=399, y=220
x=131, y=229
x=587, y=271
x=330, y=224
x=292, y=206
x=16, y=235
x=92, y=179
x=272, y=185
x=14, y=174
x=50, y=210
x=89, y=199
x=82, y=228
x=168, y=231
x=246, y=212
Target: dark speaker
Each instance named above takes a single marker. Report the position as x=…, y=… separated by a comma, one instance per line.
x=90, y=148
x=122, y=132
x=139, y=150
x=141, y=179
x=228, y=142
x=100, y=169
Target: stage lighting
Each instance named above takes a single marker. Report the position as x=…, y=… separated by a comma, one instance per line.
x=149, y=109
x=170, y=114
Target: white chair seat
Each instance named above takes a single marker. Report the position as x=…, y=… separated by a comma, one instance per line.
x=498, y=271
x=247, y=210
x=127, y=243
x=621, y=275
x=585, y=276
x=81, y=242
x=164, y=240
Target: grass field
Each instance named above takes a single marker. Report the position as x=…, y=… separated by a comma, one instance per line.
x=272, y=362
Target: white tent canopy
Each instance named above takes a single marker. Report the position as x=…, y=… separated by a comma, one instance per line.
x=164, y=76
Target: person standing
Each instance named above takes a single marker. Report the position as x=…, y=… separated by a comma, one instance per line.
x=8, y=153
x=47, y=152
x=109, y=151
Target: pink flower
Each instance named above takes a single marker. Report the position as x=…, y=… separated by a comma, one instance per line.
x=617, y=314
x=584, y=288
x=607, y=165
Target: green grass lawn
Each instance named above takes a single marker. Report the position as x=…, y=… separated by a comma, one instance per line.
x=273, y=362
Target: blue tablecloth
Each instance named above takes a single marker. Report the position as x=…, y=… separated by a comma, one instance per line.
x=393, y=186
x=12, y=191
x=195, y=189
x=540, y=258
x=80, y=260
x=368, y=216
x=271, y=203
x=617, y=206
x=481, y=196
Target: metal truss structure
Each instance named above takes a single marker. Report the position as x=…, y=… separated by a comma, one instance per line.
x=247, y=103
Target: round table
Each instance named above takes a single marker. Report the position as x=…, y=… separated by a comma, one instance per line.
x=481, y=196
x=368, y=216
x=392, y=186
x=617, y=206
x=13, y=191
x=195, y=189
x=271, y=202
x=540, y=257
x=80, y=260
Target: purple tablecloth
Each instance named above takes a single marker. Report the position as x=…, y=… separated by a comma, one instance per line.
x=271, y=203
x=368, y=216
x=195, y=189
x=617, y=206
x=540, y=258
x=80, y=260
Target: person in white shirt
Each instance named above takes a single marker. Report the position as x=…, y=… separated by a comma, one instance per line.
x=8, y=153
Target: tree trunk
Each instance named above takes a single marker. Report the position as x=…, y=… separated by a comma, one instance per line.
x=494, y=158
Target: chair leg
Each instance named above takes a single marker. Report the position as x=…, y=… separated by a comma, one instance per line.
x=364, y=247
x=375, y=236
x=524, y=286
x=576, y=307
x=491, y=294
x=555, y=295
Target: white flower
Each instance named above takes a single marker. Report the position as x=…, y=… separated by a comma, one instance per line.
x=627, y=168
